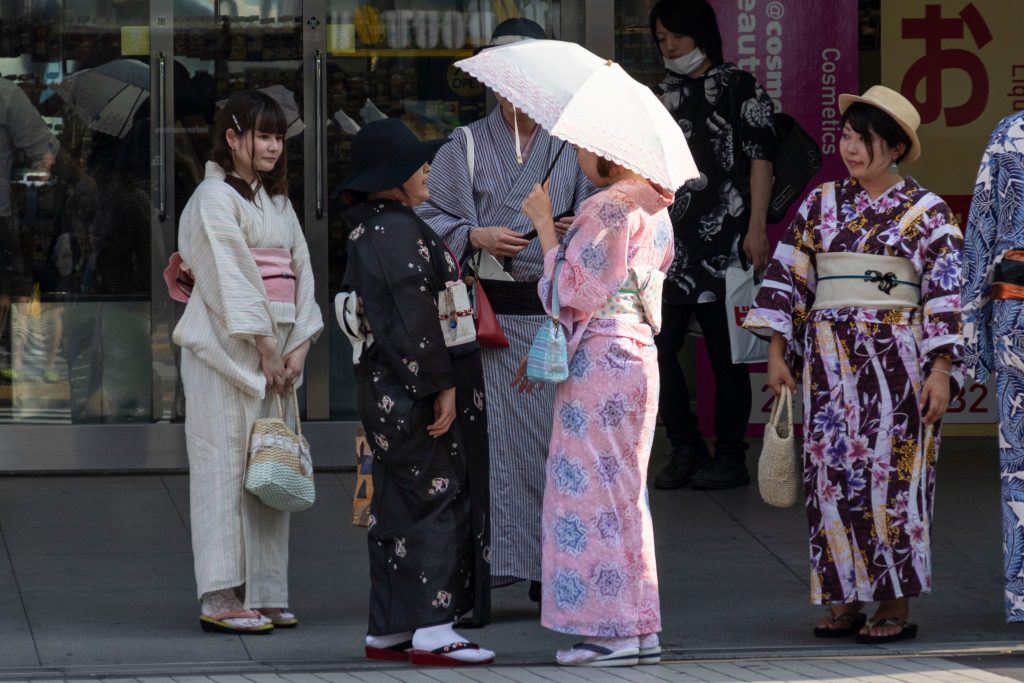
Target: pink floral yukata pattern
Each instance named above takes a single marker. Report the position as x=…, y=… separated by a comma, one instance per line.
x=600, y=577
x=869, y=476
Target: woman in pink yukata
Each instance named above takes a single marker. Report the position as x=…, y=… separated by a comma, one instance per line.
x=600, y=580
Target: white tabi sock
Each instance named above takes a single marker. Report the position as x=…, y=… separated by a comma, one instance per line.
x=433, y=637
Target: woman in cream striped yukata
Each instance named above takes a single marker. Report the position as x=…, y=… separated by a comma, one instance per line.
x=244, y=335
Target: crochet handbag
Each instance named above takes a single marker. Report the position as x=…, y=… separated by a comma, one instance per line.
x=778, y=470
x=548, y=360
x=280, y=470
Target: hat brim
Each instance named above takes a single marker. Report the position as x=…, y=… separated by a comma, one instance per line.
x=394, y=171
x=845, y=100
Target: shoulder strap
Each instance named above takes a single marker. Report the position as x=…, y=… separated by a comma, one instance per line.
x=470, y=156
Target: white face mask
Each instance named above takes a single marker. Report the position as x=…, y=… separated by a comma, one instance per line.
x=686, y=64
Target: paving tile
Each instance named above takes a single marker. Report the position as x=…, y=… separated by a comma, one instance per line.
x=237, y=678
x=301, y=677
x=336, y=677
x=374, y=677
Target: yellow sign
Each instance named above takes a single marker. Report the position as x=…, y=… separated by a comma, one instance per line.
x=134, y=41
x=960, y=63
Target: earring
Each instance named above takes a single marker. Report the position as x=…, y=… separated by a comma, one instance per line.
x=894, y=168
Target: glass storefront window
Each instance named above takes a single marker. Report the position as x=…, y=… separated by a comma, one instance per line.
x=74, y=266
x=222, y=47
x=396, y=58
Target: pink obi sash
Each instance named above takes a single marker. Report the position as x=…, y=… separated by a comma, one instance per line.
x=275, y=267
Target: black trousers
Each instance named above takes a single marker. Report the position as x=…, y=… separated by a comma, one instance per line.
x=732, y=382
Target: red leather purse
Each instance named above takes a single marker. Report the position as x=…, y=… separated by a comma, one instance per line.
x=488, y=329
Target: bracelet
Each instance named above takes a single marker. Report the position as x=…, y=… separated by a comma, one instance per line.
x=947, y=373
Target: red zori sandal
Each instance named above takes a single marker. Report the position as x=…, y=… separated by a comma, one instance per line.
x=442, y=656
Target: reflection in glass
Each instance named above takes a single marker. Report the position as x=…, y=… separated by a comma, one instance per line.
x=74, y=214
x=220, y=48
x=396, y=58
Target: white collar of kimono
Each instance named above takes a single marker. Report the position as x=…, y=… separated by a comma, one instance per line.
x=215, y=170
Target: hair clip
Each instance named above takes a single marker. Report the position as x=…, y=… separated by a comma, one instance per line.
x=237, y=124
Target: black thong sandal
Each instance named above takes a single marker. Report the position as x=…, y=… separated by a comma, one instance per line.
x=907, y=631
x=854, y=622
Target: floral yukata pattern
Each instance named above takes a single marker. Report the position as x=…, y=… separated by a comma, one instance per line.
x=869, y=462
x=993, y=329
x=600, y=577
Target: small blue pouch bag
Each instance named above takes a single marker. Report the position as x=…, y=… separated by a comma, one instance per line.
x=548, y=360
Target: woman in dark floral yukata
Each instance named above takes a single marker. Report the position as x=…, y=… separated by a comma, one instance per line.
x=421, y=401
x=862, y=299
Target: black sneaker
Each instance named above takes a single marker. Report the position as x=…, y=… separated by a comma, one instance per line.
x=721, y=473
x=684, y=463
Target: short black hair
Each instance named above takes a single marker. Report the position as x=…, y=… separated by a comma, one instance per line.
x=868, y=121
x=694, y=18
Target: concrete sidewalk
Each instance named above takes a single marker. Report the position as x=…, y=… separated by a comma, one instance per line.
x=96, y=579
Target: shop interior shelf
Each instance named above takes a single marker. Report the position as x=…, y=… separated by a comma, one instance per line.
x=387, y=52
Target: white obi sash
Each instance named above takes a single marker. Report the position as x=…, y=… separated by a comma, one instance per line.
x=852, y=280
x=638, y=300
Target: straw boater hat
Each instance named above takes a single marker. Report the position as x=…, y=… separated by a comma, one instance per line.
x=895, y=105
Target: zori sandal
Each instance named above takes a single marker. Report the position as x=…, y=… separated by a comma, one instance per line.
x=854, y=623
x=603, y=656
x=442, y=656
x=394, y=653
x=907, y=631
x=234, y=622
x=280, y=618
x=649, y=655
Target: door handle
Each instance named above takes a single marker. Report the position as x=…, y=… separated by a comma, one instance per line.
x=318, y=68
x=161, y=115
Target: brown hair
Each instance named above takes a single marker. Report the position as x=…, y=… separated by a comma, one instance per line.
x=251, y=111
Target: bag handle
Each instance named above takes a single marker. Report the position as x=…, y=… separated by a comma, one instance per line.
x=294, y=406
x=776, y=415
x=554, y=291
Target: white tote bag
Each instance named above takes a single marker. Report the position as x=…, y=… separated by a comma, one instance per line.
x=740, y=290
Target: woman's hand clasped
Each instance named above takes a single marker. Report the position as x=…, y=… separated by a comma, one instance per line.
x=272, y=364
x=444, y=413
x=294, y=362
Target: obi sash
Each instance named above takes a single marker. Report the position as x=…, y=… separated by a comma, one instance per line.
x=1008, y=278
x=638, y=299
x=275, y=266
x=853, y=280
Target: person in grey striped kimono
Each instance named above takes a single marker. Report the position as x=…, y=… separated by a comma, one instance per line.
x=244, y=336
x=478, y=208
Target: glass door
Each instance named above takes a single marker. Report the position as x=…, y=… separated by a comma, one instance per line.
x=395, y=58
x=74, y=265
x=222, y=47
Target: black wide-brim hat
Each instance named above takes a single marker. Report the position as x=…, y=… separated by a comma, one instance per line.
x=385, y=154
x=512, y=31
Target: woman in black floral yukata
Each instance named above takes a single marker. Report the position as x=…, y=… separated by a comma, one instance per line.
x=421, y=402
x=727, y=118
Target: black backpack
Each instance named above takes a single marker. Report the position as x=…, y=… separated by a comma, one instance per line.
x=797, y=159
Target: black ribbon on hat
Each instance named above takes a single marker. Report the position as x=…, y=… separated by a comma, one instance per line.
x=886, y=282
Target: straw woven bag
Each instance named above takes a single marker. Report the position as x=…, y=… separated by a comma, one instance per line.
x=778, y=470
x=280, y=469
